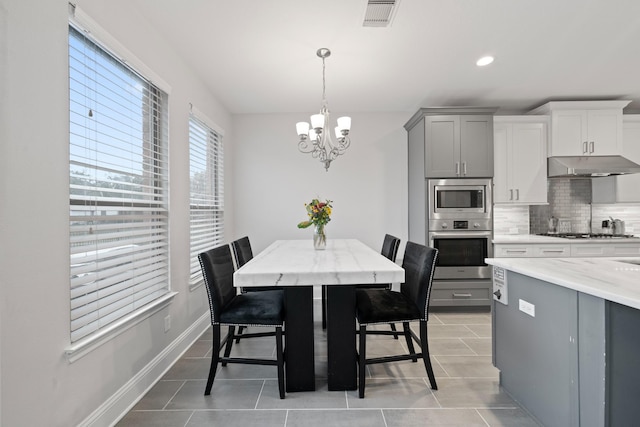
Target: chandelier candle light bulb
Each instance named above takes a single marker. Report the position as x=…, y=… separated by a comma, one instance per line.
x=316, y=138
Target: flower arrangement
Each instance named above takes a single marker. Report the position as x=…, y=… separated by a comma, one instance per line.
x=319, y=213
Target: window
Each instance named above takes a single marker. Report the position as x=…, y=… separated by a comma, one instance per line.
x=206, y=195
x=118, y=192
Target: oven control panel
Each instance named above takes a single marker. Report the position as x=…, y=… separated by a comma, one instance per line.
x=459, y=225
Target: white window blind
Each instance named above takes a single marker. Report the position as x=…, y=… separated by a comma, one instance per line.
x=118, y=189
x=206, y=195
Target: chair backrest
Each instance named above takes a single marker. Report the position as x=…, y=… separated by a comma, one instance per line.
x=390, y=247
x=242, y=251
x=217, y=269
x=419, y=264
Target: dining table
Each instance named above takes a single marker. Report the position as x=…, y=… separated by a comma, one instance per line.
x=297, y=266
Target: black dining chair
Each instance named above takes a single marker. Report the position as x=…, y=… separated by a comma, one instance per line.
x=228, y=308
x=243, y=253
x=375, y=306
x=390, y=245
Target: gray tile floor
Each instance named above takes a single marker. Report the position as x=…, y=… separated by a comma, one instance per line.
x=397, y=394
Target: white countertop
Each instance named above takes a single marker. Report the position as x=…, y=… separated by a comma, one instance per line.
x=297, y=263
x=606, y=278
x=526, y=239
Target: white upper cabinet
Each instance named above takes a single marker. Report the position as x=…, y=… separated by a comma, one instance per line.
x=584, y=128
x=458, y=146
x=622, y=188
x=520, y=160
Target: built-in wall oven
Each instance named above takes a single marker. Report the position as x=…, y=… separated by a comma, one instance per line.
x=462, y=249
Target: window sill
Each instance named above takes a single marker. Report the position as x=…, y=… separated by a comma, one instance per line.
x=83, y=347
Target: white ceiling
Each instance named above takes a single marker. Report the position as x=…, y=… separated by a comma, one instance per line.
x=259, y=56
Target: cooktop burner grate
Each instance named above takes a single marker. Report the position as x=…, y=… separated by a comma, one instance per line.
x=589, y=235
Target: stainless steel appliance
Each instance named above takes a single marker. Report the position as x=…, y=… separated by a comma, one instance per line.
x=463, y=246
x=459, y=198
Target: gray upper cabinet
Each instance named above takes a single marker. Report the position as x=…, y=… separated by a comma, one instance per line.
x=458, y=142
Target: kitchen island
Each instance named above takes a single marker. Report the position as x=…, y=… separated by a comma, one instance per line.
x=565, y=337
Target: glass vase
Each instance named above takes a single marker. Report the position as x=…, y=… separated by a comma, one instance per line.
x=319, y=238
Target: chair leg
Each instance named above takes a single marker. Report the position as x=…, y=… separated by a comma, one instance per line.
x=280, y=358
x=409, y=338
x=240, y=330
x=215, y=357
x=227, y=348
x=393, y=328
x=362, y=360
x=425, y=354
x=324, y=306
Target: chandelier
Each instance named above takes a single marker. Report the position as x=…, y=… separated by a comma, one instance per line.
x=316, y=138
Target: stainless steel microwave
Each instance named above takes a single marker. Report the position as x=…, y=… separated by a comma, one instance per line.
x=459, y=198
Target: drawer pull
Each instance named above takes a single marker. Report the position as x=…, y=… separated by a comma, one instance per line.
x=516, y=251
x=456, y=295
x=558, y=251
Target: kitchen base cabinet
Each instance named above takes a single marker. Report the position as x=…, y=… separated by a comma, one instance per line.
x=622, y=374
x=452, y=293
x=537, y=355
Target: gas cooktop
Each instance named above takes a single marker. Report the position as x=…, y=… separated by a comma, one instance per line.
x=589, y=236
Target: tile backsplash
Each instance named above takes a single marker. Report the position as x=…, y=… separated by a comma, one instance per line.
x=570, y=202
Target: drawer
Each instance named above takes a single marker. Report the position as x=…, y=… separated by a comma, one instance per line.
x=626, y=250
x=453, y=294
x=512, y=251
x=589, y=250
x=604, y=249
x=551, y=251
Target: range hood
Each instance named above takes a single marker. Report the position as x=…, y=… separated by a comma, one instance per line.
x=590, y=166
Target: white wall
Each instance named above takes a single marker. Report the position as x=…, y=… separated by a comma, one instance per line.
x=38, y=384
x=368, y=184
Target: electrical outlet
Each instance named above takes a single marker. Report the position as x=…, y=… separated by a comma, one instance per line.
x=167, y=323
x=527, y=307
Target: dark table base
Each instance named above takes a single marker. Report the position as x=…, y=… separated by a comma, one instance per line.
x=341, y=338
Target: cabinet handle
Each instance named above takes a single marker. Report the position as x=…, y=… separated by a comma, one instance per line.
x=517, y=194
x=464, y=168
x=457, y=168
x=552, y=251
x=592, y=147
x=584, y=147
x=511, y=194
x=457, y=295
x=516, y=251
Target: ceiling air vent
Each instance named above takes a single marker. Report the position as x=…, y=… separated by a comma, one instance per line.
x=379, y=13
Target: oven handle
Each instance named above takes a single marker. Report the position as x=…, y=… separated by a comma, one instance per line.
x=458, y=234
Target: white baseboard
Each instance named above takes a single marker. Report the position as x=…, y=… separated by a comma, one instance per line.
x=121, y=402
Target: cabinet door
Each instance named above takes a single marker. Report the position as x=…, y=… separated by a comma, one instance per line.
x=502, y=162
x=604, y=132
x=476, y=146
x=442, y=146
x=569, y=133
x=529, y=163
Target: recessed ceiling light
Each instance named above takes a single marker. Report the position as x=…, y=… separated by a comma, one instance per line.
x=485, y=60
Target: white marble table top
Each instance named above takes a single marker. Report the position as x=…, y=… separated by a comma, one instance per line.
x=297, y=263
x=607, y=278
